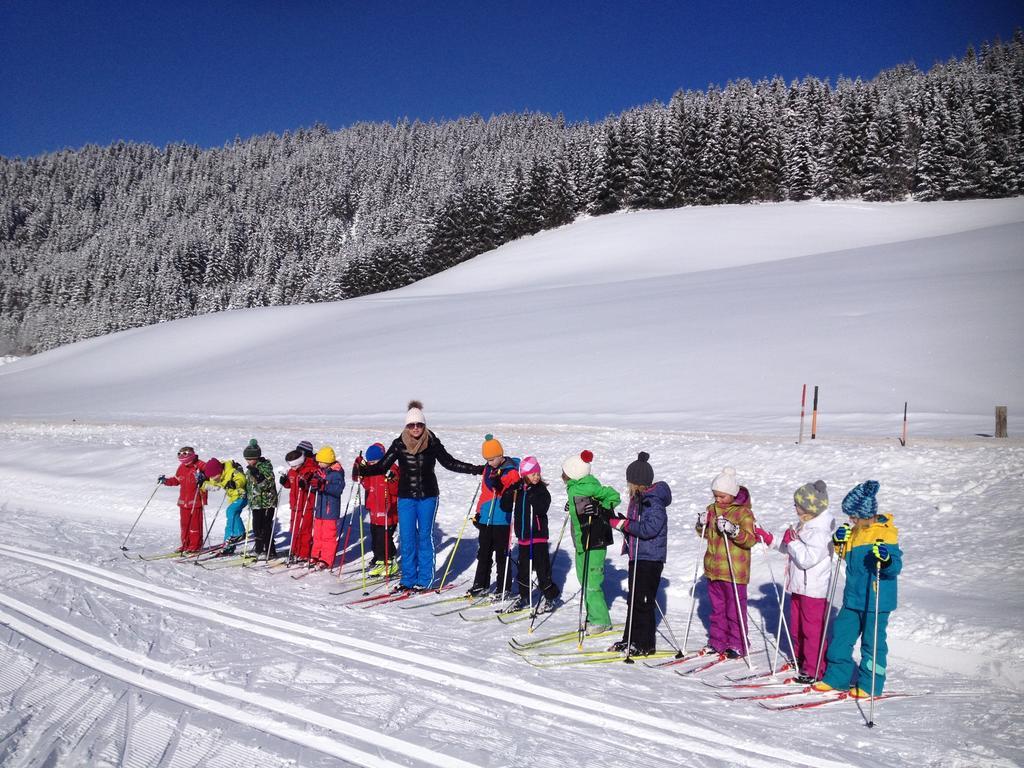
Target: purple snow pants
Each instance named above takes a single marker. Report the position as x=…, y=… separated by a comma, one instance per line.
x=726, y=630
x=806, y=620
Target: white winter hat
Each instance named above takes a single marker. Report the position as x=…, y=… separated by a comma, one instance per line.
x=578, y=467
x=415, y=413
x=726, y=482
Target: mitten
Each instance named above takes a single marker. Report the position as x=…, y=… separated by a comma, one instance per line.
x=842, y=533
x=881, y=553
x=161, y=479
x=726, y=527
x=702, y=519
x=618, y=522
x=763, y=536
x=200, y=477
x=355, y=469
x=476, y=522
x=284, y=480
x=788, y=536
x=230, y=484
x=303, y=484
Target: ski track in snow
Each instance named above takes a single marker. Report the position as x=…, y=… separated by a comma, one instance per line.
x=450, y=687
x=437, y=671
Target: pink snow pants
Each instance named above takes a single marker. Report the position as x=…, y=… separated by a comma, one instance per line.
x=806, y=620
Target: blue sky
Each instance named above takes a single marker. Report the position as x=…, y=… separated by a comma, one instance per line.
x=72, y=73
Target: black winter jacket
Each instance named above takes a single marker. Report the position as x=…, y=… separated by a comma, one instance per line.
x=416, y=478
x=531, y=512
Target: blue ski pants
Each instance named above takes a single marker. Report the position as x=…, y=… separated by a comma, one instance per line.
x=849, y=626
x=416, y=540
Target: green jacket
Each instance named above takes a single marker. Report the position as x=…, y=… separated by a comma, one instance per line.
x=261, y=485
x=588, y=486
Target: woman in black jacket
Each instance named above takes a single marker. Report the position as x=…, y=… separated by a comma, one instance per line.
x=417, y=450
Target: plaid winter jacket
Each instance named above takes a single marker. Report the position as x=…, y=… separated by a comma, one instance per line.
x=716, y=562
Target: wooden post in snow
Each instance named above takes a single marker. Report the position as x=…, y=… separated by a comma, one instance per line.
x=803, y=405
x=1000, y=421
x=814, y=414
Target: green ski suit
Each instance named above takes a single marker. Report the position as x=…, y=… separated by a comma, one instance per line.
x=593, y=561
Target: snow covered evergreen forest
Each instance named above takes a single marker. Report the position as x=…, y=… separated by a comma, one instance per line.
x=106, y=238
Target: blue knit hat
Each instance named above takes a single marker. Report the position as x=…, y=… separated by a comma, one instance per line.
x=375, y=452
x=860, y=502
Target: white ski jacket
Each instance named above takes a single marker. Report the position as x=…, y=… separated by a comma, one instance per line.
x=810, y=557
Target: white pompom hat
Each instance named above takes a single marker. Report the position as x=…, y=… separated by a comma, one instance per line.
x=726, y=482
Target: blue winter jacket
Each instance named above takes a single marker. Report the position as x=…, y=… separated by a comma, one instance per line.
x=329, y=486
x=861, y=566
x=494, y=509
x=646, y=527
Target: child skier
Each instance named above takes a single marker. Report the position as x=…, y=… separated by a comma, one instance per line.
x=809, y=547
x=491, y=518
x=728, y=526
x=873, y=561
x=645, y=526
x=532, y=499
x=301, y=468
x=327, y=483
x=590, y=533
x=229, y=477
x=190, y=499
x=261, y=495
x=380, y=497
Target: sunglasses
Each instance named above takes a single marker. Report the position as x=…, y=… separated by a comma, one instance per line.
x=185, y=452
x=415, y=425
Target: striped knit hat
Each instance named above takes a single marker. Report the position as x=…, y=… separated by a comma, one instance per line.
x=860, y=502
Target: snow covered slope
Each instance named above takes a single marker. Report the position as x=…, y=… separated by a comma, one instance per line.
x=684, y=333
x=698, y=318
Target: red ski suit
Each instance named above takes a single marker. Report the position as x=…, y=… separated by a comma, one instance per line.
x=301, y=501
x=190, y=504
x=380, y=497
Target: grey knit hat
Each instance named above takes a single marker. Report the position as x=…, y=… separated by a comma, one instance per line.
x=812, y=498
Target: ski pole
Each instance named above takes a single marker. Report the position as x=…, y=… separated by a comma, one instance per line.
x=123, y=547
x=273, y=523
x=533, y=568
x=508, y=551
x=693, y=590
x=780, y=597
x=740, y=616
x=346, y=523
x=583, y=617
x=832, y=585
x=672, y=639
x=558, y=546
x=455, y=547
x=632, y=589
x=874, y=644
x=299, y=518
x=362, y=539
x=387, y=534
x=208, y=530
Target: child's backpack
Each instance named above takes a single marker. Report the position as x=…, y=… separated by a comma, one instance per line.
x=595, y=528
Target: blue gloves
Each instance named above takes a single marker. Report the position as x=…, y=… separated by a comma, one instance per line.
x=161, y=479
x=881, y=553
x=842, y=533
x=200, y=477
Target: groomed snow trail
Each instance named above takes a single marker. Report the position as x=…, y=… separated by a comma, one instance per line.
x=684, y=737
